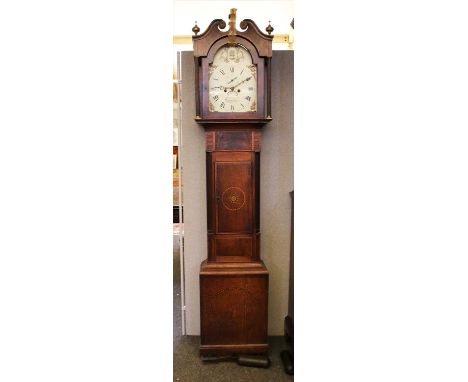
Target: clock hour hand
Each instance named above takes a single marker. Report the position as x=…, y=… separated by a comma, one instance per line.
x=232, y=80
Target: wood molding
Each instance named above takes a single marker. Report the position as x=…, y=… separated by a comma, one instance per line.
x=187, y=39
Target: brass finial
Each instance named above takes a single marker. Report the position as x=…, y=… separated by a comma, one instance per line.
x=195, y=29
x=232, y=26
x=269, y=28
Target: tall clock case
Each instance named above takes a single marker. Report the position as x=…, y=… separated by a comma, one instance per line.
x=233, y=77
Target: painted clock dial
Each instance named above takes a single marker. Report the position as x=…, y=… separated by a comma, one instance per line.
x=232, y=81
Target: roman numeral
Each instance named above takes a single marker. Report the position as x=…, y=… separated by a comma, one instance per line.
x=243, y=107
x=215, y=98
x=248, y=98
x=222, y=72
x=222, y=105
x=250, y=88
x=231, y=69
x=232, y=107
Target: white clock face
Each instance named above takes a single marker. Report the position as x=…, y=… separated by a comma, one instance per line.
x=232, y=81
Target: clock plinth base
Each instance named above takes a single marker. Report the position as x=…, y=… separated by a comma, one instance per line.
x=231, y=350
x=234, y=308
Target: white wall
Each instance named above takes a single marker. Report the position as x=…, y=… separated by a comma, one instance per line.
x=186, y=12
x=276, y=181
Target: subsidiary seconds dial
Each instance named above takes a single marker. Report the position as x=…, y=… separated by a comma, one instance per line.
x=232, y=81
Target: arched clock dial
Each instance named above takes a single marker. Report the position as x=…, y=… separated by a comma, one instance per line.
x=232, y=81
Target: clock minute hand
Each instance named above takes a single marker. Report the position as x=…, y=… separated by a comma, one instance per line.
x=235, y=86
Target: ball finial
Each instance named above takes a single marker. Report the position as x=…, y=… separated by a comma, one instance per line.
x=195, y=29
x=269, y=28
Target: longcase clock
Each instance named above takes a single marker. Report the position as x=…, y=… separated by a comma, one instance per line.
x=233, y=85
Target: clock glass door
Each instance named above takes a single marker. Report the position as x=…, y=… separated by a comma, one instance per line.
x=232, y=81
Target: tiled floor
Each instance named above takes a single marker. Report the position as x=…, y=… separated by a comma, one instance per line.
x=188, y=366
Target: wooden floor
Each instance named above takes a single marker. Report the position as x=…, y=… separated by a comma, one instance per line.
x=187, y=365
